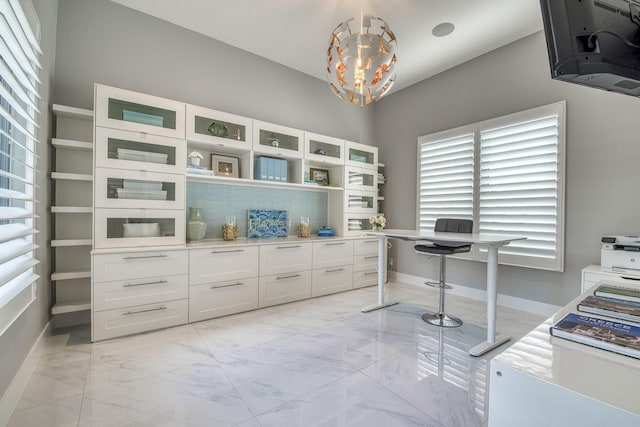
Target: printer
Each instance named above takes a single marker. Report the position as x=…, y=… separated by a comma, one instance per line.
x=620, y=253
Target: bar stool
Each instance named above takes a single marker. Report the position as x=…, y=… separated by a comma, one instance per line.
x=448, y=225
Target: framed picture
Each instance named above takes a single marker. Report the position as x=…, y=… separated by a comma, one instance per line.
x=321, y=176
x=225, y=165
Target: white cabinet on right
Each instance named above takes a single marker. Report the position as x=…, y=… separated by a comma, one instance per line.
x=592, y=274
x=365, y=263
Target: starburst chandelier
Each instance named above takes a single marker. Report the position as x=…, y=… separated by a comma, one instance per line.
x=361, y=59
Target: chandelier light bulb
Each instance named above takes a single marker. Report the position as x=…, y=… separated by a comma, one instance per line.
x=361, y=65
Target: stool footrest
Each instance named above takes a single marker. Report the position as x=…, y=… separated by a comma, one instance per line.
x=437, y=285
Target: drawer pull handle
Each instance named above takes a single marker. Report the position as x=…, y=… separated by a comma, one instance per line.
x=227, y=252
x=335, y=270
x=145, y=256
x=336, y=243
x=371, y=257
x=289, y=247
x=369, y=273
x=370, y=241
x=292, y=276
x=158, y=282
x=128, y=313
x=630, y=278
x=228, y=286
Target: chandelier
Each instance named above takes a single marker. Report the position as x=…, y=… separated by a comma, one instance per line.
x=361, y=60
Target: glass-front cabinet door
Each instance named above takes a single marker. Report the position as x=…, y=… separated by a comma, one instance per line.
x=361, y=155
x=360, y=202
x=323, y=149
x=358, y=178
x=215, y=130
x=139, y=151
x=127, y=110
x=276, y=140
x=134, y=189
x=356, y=223
x=128, y=228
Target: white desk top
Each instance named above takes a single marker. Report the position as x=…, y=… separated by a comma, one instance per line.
x=599, y=374
x=430, y=236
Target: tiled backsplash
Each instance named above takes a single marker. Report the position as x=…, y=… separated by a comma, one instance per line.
x=219, y=201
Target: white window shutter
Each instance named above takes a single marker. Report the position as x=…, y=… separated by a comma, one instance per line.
x=19, y=69
x=445, y=184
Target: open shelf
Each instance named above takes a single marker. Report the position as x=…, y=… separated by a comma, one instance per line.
x=71, y=306
x=71, y=176
x=71, y=209
x=69, y=275
x=72, y=112
x=70, y=242
x=72, y=144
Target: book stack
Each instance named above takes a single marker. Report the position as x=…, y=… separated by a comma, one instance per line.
x=200, y=170
x=619, y=331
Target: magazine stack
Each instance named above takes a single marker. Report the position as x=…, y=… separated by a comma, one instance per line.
x=609, y=319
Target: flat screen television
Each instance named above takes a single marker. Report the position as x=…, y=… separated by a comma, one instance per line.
x=594, y=42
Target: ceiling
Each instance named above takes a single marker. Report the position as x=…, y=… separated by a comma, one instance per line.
x=295, y=33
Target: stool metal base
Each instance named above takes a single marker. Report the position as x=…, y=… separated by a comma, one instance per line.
x=442, y=319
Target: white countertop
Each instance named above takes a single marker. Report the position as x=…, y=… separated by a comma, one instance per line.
x=598, y=374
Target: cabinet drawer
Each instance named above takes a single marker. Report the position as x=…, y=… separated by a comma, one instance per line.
x=331, y=280
x=127, y=110
x=220, y=299
x=332, y=253
x=365, y=246
x=365, y=262
x=153, y=190
x=119, y=149
x=281, y=288
x=365, y=278
x=222, y=264
x=141, y=318
x=133, y=228
x=139, y=265
x=126, y=293
x=285, y=258
x=591, y=278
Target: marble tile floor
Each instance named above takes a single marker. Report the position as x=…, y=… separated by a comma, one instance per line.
x=319, y=362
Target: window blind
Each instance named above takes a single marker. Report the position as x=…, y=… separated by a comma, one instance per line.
x=19, y=68
x=518, y=188
x=446, y=179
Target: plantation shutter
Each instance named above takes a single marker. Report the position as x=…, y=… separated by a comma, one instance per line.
x=446, y=178
x=19, y=68
x=520, y=185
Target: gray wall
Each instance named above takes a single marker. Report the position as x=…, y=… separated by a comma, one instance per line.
x=16, y=342
x=602, y=160
x=102, y=42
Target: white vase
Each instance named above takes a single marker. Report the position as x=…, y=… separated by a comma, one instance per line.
x=195, y=161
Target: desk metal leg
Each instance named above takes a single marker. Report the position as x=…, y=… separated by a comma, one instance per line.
x=492, y=341
x=382, y=269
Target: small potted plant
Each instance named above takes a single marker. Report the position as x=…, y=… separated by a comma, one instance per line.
x=378, y=222
x=195, y=157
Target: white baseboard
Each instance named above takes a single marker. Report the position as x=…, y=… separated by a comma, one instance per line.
x=12, y=395
x=530, y=306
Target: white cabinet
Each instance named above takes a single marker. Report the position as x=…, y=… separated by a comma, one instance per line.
x=285, y=257
x=278, y=141
x=222, y=264
x=127, y=110
x=363, y=202
x=213, y=130
x=330, y=280
x=138, y=291
x=365, y=263
x=323, y=150
x=139, y=151
x=361, y=155
x=360, y=178
x=283, y=288
x=222, y=298
x=592, y=274
x=71, y=208
x=132, y=228
x=332, y=253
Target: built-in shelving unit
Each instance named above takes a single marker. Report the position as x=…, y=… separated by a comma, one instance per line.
x=71, y=209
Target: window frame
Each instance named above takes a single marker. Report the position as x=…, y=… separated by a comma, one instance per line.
x=479, y=254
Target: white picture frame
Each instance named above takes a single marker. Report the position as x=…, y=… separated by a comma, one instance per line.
x=225, y=166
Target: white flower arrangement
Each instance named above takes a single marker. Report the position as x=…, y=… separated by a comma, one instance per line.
x=195, y=155
x=378, y=221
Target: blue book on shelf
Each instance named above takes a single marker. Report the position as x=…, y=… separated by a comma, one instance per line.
x=260, y=169
x=284, y=175
x=271, y=169
x=611, y=335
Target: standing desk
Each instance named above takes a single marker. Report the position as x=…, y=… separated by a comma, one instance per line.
x=491, y=241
